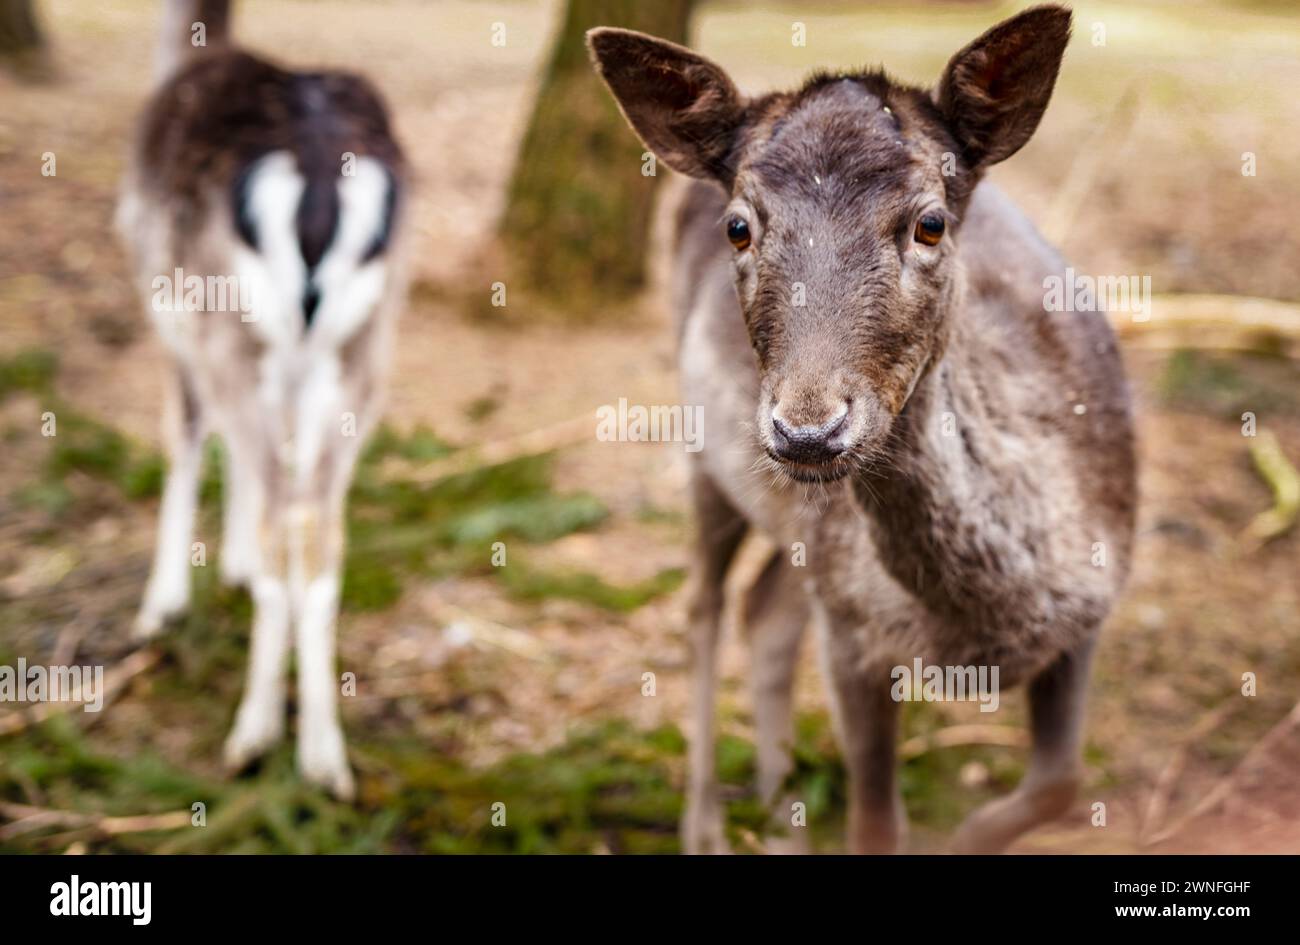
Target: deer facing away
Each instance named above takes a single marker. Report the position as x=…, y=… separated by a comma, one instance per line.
x=876, y=329
x=286, y=183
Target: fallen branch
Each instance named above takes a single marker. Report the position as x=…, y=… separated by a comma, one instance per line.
x=1272, y=465
x=1224, y=789
x=1158, y=804
x=115, y=680
x=27, y=819
x=958, y=735
x=1214, y=322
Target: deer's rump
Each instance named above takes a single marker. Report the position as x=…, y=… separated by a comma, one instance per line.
x=287, y=181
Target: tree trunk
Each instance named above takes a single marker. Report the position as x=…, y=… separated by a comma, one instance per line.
x=22, y=46
x=578, y=213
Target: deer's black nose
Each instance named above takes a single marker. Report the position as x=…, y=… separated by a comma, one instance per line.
x=809, y=444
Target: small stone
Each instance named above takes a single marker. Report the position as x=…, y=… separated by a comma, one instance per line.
x=973, y=774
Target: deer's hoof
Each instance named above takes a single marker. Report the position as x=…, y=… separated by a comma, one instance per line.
x=150, y=622
x=981, y=835
x=254, y=734
x=323, y=761
x=235, y=575
x=993, y=827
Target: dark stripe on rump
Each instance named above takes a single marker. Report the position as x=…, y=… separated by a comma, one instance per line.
x=240, y=211
x=318, y=220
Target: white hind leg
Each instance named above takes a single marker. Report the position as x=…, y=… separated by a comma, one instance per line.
x=327, y=450
x=322, y=751
x=167, y=594
x=241, y=500
x=259, y=722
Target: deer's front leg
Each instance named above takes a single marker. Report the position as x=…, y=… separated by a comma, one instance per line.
x=720, y=530
x=866, y=720
x=1057, y=703
x=775, y=614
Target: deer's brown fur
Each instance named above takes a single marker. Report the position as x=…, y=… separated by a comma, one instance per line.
x=974, y=450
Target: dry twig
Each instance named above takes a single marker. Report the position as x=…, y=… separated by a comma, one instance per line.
x=958, y=735
x=1223, y=790
x=28, y=819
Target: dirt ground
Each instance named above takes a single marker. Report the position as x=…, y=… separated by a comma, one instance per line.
x=462, y=665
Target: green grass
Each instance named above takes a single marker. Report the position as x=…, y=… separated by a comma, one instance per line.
x=1227, y=385
x=610, y=785
x=526, y=583
x=607, y=787
x=78, y=443
x=32, y=371
x=399, y=529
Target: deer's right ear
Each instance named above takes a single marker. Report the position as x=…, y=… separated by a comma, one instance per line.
x=994, y=91
x=684, y=107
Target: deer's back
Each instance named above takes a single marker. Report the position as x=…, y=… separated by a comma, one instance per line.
x=1053, y=373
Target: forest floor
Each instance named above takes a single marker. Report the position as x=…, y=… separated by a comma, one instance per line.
x=525, y=684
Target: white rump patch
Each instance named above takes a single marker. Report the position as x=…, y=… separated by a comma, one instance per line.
x=275, y=272
x=349, y=290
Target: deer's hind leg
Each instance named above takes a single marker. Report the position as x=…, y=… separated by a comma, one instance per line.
x=259, y=721
x=241, y=499
x=328, y=449
x=1057, y=703
x=167, y=593
x=720, y=530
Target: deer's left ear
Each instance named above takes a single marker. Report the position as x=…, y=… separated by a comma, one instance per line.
x=683, y=106
x=994, y=92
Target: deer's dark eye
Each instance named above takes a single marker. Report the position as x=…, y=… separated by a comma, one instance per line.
x=929, y=229
x=738, y=233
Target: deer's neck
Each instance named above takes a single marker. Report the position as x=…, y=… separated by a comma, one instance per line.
x=947, y=514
